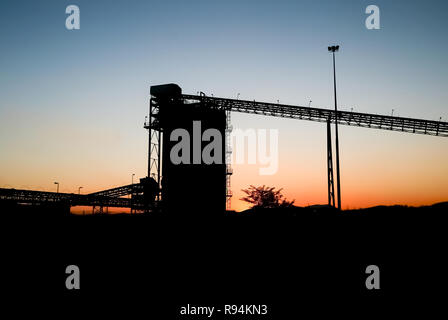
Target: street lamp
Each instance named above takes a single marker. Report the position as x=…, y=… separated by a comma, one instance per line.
x=58, y=186
x=334, y=49
x=79, y=190
x=309, y=104
x=133, y=178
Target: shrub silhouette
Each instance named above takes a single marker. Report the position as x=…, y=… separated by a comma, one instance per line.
x=265, y=197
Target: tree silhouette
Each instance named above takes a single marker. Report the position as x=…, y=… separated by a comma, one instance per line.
x=265, y=197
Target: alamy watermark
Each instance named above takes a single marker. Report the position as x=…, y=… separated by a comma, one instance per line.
x=72, y=280
x=373, y=280
x=257, y=146
x=250, y=146
x=373, y=20
x=73, y=21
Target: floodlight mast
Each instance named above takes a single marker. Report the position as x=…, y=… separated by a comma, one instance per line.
x=334, y=49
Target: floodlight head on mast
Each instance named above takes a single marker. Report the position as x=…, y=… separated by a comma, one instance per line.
x=333, y=48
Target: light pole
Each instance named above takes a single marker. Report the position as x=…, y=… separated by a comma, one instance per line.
x=309, y=104
x=57, y=187
x=334, y=49
x=79, y=190
x=133, y=178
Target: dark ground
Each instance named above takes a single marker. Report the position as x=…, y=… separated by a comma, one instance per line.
x=294, y=260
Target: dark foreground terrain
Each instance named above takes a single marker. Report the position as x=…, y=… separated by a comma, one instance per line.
x=294, y=260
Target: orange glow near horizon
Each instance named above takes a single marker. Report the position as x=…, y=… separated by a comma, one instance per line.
x=86, y=210
x=377, y=168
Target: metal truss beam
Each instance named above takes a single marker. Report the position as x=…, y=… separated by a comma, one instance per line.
x=119, y=191
x=42, y=197
x=365, y=120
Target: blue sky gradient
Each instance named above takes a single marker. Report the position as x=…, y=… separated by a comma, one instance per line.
x=75, y=101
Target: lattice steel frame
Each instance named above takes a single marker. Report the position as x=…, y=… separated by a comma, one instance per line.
x=366, y=120
x=154, y=143
x=331, y=200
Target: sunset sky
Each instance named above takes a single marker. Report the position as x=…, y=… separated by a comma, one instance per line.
x=73, y=103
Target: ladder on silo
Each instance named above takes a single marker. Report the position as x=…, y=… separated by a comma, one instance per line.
x=228, y=159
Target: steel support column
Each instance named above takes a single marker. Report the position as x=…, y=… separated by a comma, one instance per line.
x=330, y=166
x=155, y=143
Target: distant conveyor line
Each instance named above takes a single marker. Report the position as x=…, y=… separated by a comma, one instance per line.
x=365, y=120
